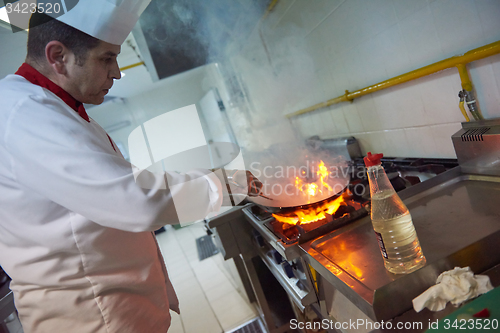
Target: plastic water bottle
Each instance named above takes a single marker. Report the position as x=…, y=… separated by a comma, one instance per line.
x=392, y=222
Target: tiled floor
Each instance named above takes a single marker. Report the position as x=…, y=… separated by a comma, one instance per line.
x=210, y=295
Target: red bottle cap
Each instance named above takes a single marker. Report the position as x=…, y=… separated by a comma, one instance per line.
x=371, y=160
x=484, y=313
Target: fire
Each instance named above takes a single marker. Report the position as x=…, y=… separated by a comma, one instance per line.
x=317, y=185
x=323, y=175
x=311, y=214
x=313, y=188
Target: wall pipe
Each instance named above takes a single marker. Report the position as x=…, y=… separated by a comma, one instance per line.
x=464, y=77
x=456, y=61
x=131, y=66
x=270, y=8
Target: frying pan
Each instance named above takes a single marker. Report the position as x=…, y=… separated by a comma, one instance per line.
x=281, y=205
x=280, y=193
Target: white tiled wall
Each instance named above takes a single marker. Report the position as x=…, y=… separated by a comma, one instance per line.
x=356, y=43
x=12, y=50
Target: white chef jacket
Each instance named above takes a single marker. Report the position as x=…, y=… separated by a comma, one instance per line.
x=75, y=228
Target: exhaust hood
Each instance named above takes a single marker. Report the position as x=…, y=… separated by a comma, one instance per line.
x=178, y=35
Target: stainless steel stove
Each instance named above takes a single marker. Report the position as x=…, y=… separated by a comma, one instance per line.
x=339, y=272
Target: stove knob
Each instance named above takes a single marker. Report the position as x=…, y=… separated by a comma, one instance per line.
x=288, y=269
x=259, y=240
x=301, y=286
x=278, y=259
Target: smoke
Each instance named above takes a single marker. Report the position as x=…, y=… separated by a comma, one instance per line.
x=265, y=65
x=268, y=71
x=276, y=73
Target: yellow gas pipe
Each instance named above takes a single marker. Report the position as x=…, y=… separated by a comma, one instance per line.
x=131, y=66
x=464, y=77
x=270, y=8
x=456, y=61
x=462, y=108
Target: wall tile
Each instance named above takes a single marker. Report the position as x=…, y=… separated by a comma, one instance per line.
x=354, y=71
x=316, y=127
x=439, y=93
x=309, y=15
x=365, y=142
x=326, y=87
x=341, y=30
x=307, y=127
x=316, y=50
x=376, y=15
x=11, y=61
x=292, y=16
x=340, y=77
x=489, y=16
x=397, y=144
x=442, y=138
x=327, y=122
x=377, y=142
x=388, y=113
x=364, y=42
x=16, y=42
x=339, y=121
x=420, y=142
x=486, y=87
x=278, y=13
x=295, y=124
x=368, y=113
x=400, y=106
x=422, y=42
x=495, y=64
x=451, y=18
x=405, y=106
x=321, y=122
x=406, y=8
x=396, y=60
x=351, y=115
x=371, y=66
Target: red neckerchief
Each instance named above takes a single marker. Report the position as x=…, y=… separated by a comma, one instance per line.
x=35, y=77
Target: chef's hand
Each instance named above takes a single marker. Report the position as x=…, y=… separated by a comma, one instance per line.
x=246, y=178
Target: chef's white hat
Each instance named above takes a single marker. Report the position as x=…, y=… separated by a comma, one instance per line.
x=107, y=20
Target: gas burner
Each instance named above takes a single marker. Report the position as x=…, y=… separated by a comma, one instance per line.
x=291, y=234
x=402, y=172
x=312, y=221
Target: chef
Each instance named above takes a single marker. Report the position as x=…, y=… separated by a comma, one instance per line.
x=75, y=226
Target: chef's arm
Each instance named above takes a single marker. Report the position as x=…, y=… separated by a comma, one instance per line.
x=238, y=182
x=74, y=166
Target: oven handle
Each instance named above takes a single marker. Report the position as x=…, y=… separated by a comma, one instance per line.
x=288, y=252
x=301, y=303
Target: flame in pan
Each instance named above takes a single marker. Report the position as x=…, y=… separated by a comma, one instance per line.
x=311, y=214
x=314, y=188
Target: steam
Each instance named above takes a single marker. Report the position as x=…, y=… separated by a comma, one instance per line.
x=271, y=67
x=266, y=68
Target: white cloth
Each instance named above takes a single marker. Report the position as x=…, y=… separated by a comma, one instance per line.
x=107, y=20
x=75, y=228
x=455, y=286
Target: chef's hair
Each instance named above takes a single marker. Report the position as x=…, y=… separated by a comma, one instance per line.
x=44, y=29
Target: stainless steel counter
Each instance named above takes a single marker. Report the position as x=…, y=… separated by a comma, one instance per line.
x=457, y=218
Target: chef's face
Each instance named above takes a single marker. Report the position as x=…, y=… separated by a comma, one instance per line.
x=90, y=82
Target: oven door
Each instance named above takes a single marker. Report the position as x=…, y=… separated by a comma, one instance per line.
x=281, y=286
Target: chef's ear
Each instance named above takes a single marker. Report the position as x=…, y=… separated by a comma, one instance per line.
x=57, y=54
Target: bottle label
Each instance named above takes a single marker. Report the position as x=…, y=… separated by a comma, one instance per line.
x=381, y=244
